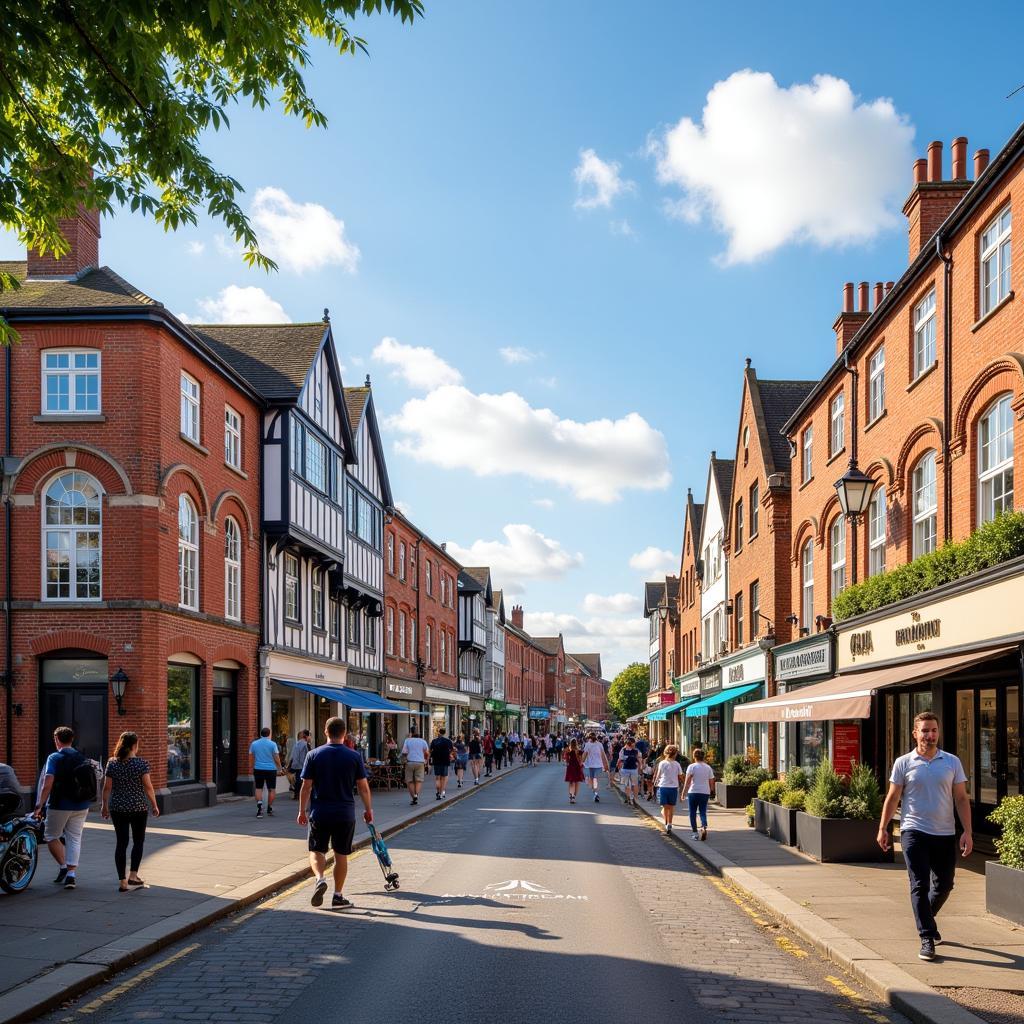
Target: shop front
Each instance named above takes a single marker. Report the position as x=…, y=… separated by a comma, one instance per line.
x=449, y=710
x=658, y=730
x=514, y=719
x=713, y=713
x=365, y=723
x=743, y=680
x=538, y=719
x=408, y=695
x=686, y=730
x=494, y=715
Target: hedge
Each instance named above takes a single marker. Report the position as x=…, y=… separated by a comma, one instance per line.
x=992, y=544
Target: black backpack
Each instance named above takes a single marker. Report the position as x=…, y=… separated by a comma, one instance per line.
x=75, y=781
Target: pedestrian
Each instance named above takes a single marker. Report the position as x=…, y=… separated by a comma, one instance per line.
x=296, y=759
x=390, y=749
x=414, y=752
x=699, y=788
x=596, y=761
x=528, y=750
x=476, y=754
x=500, y=746
x=461, y=759
x=488, y=745
x=559, y=746
x=331, y=775
x=628, y=763
x=643, y=746
x=266, y=767
x=442, y=753
x=667, y=773
x=68, y=791
x=574, y=770
x=549, y=746
x=930, y=782
x=128, y=798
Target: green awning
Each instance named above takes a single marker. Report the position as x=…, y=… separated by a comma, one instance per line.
x=732, y=693
x=660, y=714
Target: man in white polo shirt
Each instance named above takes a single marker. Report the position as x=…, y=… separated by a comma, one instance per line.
x=930, y=782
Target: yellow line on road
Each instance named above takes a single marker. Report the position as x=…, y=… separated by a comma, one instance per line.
x=790, y=946
x=842, y=987
x=145, y=975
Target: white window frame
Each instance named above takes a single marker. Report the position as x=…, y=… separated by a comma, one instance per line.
x=755, y=607
x=807, y=454
x=995, y=460
x=924, y=334
x=876, y=384
x=807, y=585
x=429, y=578
x=444, y=651
x=188, y=554
x=739, y=524
x=737, y=618
x=837, y=555
x=994, y=261
x=73, y=374
x=191, y=408
x=391, y=632
x=232, y=437
x=292, y=605
x=877, y=518
x=924, y=495
x=352, y=627
x=67, y=534
x=412, y=639
x=317, y=584
x=232, y=570
x=837, y=424
x=335, y=613
x=391, y=553
x=755, y=498
x=401, y=635
x=401, y=560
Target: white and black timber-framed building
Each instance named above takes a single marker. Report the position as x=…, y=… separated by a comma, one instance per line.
x=474, y=598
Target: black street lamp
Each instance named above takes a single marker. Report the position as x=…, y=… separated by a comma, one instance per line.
x=118, y=682
x=854, y=492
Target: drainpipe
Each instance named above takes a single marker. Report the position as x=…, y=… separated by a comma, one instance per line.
x=8, y=584
x=947, y=388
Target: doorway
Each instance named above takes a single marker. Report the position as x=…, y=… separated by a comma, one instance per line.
x=73, y=691
x=225, y=759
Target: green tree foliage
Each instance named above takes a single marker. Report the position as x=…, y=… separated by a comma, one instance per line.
x=126, y=89
x=1010, y=816
x=628, y=693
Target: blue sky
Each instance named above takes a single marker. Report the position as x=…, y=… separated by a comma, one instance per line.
x=633, y=296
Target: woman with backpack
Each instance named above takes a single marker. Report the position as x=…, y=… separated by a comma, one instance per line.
x=128, y=797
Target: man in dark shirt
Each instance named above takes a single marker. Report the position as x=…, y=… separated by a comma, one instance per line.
x=442, y=750
x=329, y=776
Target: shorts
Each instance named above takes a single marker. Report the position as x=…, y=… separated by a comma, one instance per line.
x=594, y=773
x=668, y=795
x=414, y=771
x=630, y=774
x=441, y=770
x=462, y=761
x=336, y=834
x=265, y=777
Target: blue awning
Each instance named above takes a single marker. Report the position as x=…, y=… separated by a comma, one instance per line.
x=354, y=700
x=660, y=714
x=732, y=693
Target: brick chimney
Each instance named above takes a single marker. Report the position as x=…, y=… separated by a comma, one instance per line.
x=517, y=616
x=933, y=199
x=849, y=320
x=83, y=235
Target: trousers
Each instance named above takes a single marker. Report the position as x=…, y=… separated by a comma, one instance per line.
x=931, y=865
x=125, y=822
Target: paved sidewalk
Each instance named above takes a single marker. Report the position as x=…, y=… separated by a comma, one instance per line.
x=199, y=865
x=861, y=915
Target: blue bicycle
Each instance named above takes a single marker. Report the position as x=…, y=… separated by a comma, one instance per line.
x=19, y=845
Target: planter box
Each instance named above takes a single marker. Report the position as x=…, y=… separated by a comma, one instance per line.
x=763, y=817
x=776, y=822
x=734, y=796
x=840, y=840
x=1004, y=891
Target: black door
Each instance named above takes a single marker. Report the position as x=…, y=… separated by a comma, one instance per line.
x=224, y=759
x=84, y=709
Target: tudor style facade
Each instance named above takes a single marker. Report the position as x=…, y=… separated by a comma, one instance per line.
x=474, y=597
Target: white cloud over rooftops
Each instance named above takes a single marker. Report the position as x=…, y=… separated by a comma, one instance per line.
x=236, y=304
x=419, y=366
x=654, y=561
x=598, y=182
x=524, y=554
x=301, y=236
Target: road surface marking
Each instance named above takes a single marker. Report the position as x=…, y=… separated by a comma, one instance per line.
x=127, y=986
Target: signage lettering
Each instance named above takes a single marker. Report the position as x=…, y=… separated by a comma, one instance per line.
x=809, y=661
x=399, y=688
x=801, y=712
x=736, y=673
x=918, y=632
x=861, y=643
x=319, y=675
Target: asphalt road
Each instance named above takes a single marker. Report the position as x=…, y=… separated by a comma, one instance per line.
x=513, y=906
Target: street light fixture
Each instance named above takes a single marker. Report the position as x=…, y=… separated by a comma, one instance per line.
x=118, y=683
x=854, y=492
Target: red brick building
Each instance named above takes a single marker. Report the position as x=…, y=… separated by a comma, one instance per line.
x=132, y=469
x=525, y=662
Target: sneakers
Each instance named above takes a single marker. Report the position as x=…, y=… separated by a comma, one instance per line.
x=270, y=810
x=340, y=903
x=444, y=794
x=319, y=891
x=414, y=801
x=704, y=833
x=61, y=875
x=259, y=808
x=69, y=882
x=694, y=835
x=927, y=950
x=597, y=799
x=937, y=939
x=437, y=795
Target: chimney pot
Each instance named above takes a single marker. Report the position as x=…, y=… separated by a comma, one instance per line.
x=888, y=287
x=959, y=148
x=879, y=293
x=83, y=235
x=862, y=297
x=920, y=171
x=848, y=297
x=980, y=162
x=935, y=161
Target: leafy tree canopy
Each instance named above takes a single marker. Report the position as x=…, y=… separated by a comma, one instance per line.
x=628, y=693
x=106, y=101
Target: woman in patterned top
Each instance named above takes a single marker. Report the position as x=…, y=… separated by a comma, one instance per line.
x=127, y=798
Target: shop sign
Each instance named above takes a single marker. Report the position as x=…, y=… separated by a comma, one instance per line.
x=689, y=687
x=535, y=714
x=710, y=682
x=667, y=697
x=812, y=659
x=845, y=746
x=653, y=700
x=748, y=669
x=491, y=704
x=301, y=670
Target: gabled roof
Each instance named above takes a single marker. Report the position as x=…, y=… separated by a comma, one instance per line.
x=480, y=573
x=467, y=584
x=591, y=662
x=355, y=404
x=722, y=472
x=654, y=594
x=97, y=287
x=549, y=644
x=778, y=400
x=359, y=405
x=671, y=588
x=498, y=604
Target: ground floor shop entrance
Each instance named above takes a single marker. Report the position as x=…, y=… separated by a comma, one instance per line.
x=73, y=691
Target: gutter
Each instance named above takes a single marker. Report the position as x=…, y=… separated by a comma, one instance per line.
x=947, y=387
x=8, y=571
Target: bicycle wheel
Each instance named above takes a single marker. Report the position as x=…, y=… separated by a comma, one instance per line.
x=19, y=863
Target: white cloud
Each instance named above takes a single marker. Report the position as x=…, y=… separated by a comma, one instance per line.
x=611, y=604
x=227, y=246
x=195, y=248
x=543, y=503
x=420, y=367
x=618, y=640
x=655, y=561
x=622, y=228
x=494, y=435
x=301, y=236
x=598, y=181
x=238, y=305
x=524, y=554
x=513, y=354
x=771, y=165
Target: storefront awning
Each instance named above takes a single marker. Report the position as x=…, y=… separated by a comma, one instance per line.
x=636, y=718
x=354, y=700
x=732, y=693
x=660, y=714
x=849, y=695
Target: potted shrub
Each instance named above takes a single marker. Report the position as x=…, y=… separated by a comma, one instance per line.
x=839, y=822
x=740, y=781
x=750, y=814
x=1004, y=879
x=769, y=793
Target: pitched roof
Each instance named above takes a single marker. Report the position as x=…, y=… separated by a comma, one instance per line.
x=654, y=593
x=548, y=644
x=722, y=470
x=469, y=583
x=697, y=516
x=480, y=573
x=355, y=403
x=671, y=588
x=779, y=400
x=97, y=288
x=591, y=662
x=274, y=358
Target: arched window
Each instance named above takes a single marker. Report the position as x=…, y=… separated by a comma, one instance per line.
x=188, y=553
x=876, y=532
x=925, y=506
x=72, y=538
x=995, y=460
x=807, y=584
x=837, y=553
x=232, y=569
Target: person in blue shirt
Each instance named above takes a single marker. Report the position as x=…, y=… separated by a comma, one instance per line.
x=326, y=804
x=266, y=767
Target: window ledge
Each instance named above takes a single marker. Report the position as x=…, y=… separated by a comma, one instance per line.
x=878, y=419
x=235, y=469
x=195, y=444
x=809, y=480
x=922, y=375
x=835, y=455
x=1006, y=300
x=70, y=417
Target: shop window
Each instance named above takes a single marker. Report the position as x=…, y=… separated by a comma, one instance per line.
x=72, y=538
x=994, y=259
x=188, y=553
x=182, y=686
x=837, y=549
x=807, y=584
x=995, y=460
x=925, y=507
x=876, y=532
